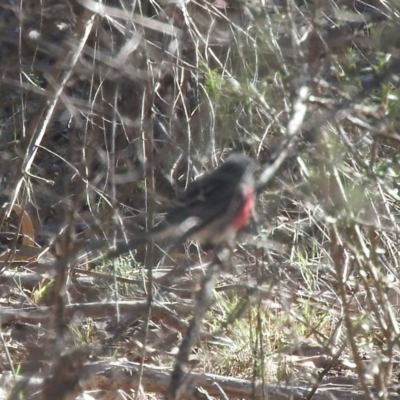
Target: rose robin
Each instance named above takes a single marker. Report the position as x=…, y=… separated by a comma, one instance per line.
x=214, y=207
x=211, y=210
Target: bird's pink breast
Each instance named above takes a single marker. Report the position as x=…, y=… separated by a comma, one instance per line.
x=244, y=213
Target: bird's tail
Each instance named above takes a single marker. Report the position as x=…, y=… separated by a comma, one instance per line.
x=160, y=231
x=123, y=248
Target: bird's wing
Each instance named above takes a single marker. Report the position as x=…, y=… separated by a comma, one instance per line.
x=204, y=200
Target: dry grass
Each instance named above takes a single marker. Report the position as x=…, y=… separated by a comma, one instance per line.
x=107, y=113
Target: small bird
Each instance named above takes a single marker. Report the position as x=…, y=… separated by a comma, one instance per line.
x=214, y=207
x=210, y=211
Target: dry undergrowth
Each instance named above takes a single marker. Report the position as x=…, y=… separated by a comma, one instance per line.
x=108, y=110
